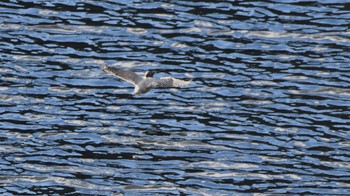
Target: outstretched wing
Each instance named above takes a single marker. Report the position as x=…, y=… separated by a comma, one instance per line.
x=123, y=74
x=169, y=82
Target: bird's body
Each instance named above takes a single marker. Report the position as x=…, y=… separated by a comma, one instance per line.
x=143, y=86
x=145, y=83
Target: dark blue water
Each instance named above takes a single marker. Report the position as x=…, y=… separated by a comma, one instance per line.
x=267, y=111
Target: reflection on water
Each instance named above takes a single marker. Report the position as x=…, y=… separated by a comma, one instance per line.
x=267, y=111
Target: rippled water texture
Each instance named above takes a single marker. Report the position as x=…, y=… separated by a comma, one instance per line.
x=267, y=111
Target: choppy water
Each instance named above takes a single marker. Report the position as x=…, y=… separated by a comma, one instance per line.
x=267, y=112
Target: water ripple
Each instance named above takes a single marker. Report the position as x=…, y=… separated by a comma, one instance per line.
x=267, y=110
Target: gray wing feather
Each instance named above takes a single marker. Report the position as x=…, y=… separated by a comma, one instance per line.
x=169, y=82
x=123, y=74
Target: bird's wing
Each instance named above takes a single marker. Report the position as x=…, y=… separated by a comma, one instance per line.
x=168, y=82
x=123, y=74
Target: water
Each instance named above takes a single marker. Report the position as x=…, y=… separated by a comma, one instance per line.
x=267, y=111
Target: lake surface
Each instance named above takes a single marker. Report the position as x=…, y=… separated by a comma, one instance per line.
x=267, y=110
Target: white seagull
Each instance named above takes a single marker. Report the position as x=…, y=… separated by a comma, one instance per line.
x=145, y=83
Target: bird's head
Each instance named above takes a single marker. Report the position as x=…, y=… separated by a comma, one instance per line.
x=149, y=74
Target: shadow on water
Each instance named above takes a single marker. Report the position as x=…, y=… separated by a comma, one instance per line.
x=267, y=111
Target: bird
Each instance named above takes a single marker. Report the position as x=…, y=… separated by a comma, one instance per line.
x=145, y=83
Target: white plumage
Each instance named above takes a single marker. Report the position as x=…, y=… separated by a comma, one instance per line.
x=145, y=83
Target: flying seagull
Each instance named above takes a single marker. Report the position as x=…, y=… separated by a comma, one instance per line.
x=145, y=83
